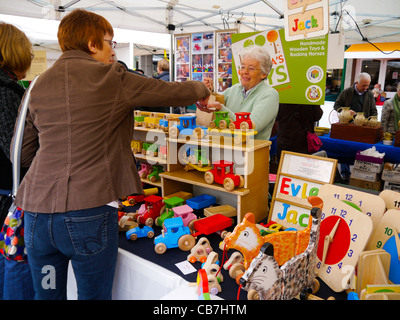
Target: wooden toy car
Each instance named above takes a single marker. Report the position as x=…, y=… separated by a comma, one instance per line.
x=153, y=205
x=151, y=149
x=139, y=119
x=140, y=232
x=186, y=213
x=177, y=235
x=222, y=173
x=199, y=157
x=200, y=251
x=187, y=127
x=169, y=213
x=221, y=120
x=151, y=121
x=162, y=152
x=127, y=221
x=145, y=169
x=155, y=173
x=242, y=122
x=136, y=146
x=132, y=200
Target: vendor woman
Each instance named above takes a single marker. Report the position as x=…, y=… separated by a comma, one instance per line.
x=252, y=94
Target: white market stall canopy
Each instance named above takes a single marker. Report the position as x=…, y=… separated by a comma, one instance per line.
x=358, y=20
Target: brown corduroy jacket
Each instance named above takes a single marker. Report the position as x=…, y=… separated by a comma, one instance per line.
x=78, y=131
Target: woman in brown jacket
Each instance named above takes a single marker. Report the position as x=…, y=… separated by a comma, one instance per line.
x=77, y=143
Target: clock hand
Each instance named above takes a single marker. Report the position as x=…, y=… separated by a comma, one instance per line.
x=328, y=240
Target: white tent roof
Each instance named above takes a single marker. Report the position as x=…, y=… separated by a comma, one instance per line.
x=378, y=21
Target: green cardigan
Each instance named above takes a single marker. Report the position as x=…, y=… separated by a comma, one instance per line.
x=262, y=102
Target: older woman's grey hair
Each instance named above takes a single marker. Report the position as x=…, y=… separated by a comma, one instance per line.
x=260, y=54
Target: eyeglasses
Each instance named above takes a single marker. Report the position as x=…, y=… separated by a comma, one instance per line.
x=249, y=69
x=112, y=44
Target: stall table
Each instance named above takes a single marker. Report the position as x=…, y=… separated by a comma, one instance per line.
x=345, y=151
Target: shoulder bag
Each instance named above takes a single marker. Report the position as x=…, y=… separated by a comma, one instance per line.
x=12, y=244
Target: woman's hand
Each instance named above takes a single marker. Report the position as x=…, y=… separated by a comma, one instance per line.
x=209, y=104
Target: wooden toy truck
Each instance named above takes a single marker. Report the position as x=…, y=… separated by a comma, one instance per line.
x=222, y=173
x=153, y=207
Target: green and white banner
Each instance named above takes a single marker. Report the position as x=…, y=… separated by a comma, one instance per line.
x=298, y=67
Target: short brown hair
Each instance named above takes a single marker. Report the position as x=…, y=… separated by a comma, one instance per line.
x=15, y=49
x=163, y=65
x=79, y=27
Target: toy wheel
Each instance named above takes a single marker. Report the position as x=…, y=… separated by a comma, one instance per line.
x=241, y=182
x=214, y=291
x=238, y=139
x=244, y=126
x=253, y=125
x=173, y=132
x=186, y=242
x=231, y=126
x=160, y=248
x=132, y=201
x=198, y=133
x=150, y=234
x=133, y=237
x=134, y=150
x=135, y=123
x=209, y=177
x=153, y=178
x=152, y=126
x=203, y=259
x=236, y=269
x=223, y=124
x=229, y=184
x=253, y=295
x=200, y=164
x=192, y=259
x=149, y=222
x=212, y=125
x=157, y=221
x=143, y=175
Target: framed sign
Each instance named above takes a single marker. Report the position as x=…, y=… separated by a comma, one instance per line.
x=306, y=19
x=299, y=176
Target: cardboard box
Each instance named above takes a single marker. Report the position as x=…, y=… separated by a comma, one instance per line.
x=351, y=132
x=391, y=186
x=364, y=175
x=391, y=175
x=377, y=185
x=368, y=166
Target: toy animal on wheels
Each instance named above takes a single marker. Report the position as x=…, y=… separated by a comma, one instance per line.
x=266, y=280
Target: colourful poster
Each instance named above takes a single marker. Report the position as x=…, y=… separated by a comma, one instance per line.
x=298, y=70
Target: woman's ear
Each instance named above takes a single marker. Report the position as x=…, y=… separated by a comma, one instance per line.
x=92, y=47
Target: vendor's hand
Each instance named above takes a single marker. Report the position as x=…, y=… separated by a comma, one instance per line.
x=352, y=112
x=209, y=83
x=208, y=106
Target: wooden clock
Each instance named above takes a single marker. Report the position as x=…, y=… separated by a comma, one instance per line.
x=344, y=233
x=386, y=237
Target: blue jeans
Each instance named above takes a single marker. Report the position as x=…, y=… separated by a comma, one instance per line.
x=88, y=238
x=15, y=280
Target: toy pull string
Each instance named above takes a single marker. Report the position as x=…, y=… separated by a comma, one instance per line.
x=223, y=259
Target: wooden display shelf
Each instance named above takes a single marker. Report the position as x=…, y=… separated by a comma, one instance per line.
x=253, y=166
x=397, y=139
x=196, y=178
x=152, y=160
x=351, y=132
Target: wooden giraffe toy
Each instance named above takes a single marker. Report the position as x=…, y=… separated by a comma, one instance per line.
x=266, y=280
x=246, y=238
